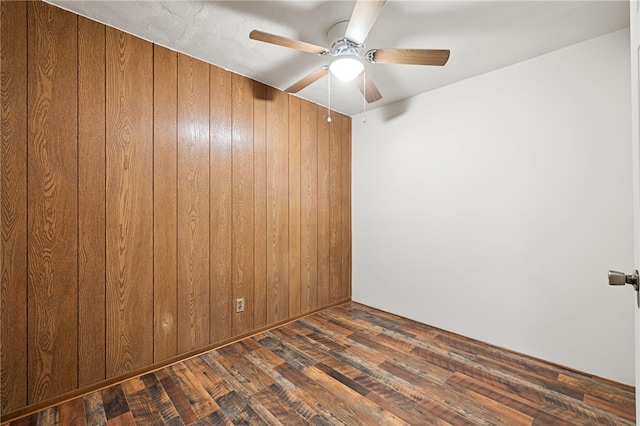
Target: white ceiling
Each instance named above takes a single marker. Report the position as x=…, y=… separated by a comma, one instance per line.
x=482, y=36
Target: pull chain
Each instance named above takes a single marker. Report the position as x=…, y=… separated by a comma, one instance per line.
x=329, y=103
x=364, y=95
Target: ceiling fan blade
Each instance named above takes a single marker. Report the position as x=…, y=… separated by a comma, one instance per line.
x=408, y=56
x=287, y=42
x=371, y=94
x=305, y=81
x=364, y=15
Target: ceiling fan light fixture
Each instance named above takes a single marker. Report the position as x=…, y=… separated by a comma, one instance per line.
x=346, y=69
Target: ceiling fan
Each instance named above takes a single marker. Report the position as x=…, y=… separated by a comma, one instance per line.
x=348, y=50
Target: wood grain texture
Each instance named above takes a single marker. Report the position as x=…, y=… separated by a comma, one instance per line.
x=165, y=203
x=193, y=203
x=287, y=42
x=352, y=364
x=242, y=199
x=335, y=210
x=345, y=288
x=294, y=206
x=91, y=202
x=71, y=412
x=277, y=206
x=220, y=166
x=308, y=206
x=308, y=79
x=260, y=204
x=324, y=222
x=13, y=201
x=129, y=203
x=52, y=202
x=112, y=187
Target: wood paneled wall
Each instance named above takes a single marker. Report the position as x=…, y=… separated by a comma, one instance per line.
x=142, y=192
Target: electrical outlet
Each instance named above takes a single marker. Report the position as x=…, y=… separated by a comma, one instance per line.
x=240, y=305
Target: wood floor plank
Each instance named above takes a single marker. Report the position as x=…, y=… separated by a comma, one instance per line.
x=298, y=360
x=352, y=365
x=142, y=408
x=448, y=414
x=504, y=356
x=367, y=411
x=315, y=350
x=284, y=390
x=179, y=399
x=161, y=399
x=543, y=419
x=252, y=378
x=48, y=416
x=234, y=406
x=505, y=398
x=114, y=402
x=31, y=420
x=94, y=409
x=618, y=401
x=312, y=391
x=550, y=384
x=213, y=383
x=125, y=419
x=199, y=399
x=509, y=415
x=282, y=412
x=584, y=411
x=436, y=373
x=72, y=413
x=627, y=411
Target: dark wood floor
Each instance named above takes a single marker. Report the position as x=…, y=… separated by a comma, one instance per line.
x=353, y=365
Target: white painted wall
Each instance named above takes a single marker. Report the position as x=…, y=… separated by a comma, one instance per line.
x=494, y=207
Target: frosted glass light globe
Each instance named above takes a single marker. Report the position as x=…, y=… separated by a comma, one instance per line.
x=346, y=69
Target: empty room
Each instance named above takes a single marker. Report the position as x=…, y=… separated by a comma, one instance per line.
x=319, y=212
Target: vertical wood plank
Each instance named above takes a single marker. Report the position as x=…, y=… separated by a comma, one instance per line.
x=221, y=220
x=277, y=207
x=165, y=203
x=260, y=204
x=91, y=201
x=335, y=211
x=129, y=204
x=345, y=292
x=265, y=204
x=242, y=196
x=193, y=203
x=294, y=206
x=13, y=204
x=324, y=239
x=52, y=202
x=308, y=206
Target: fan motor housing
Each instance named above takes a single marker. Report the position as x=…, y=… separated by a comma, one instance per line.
x=341, y=45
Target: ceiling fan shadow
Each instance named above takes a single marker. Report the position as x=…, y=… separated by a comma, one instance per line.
x=392, y=111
